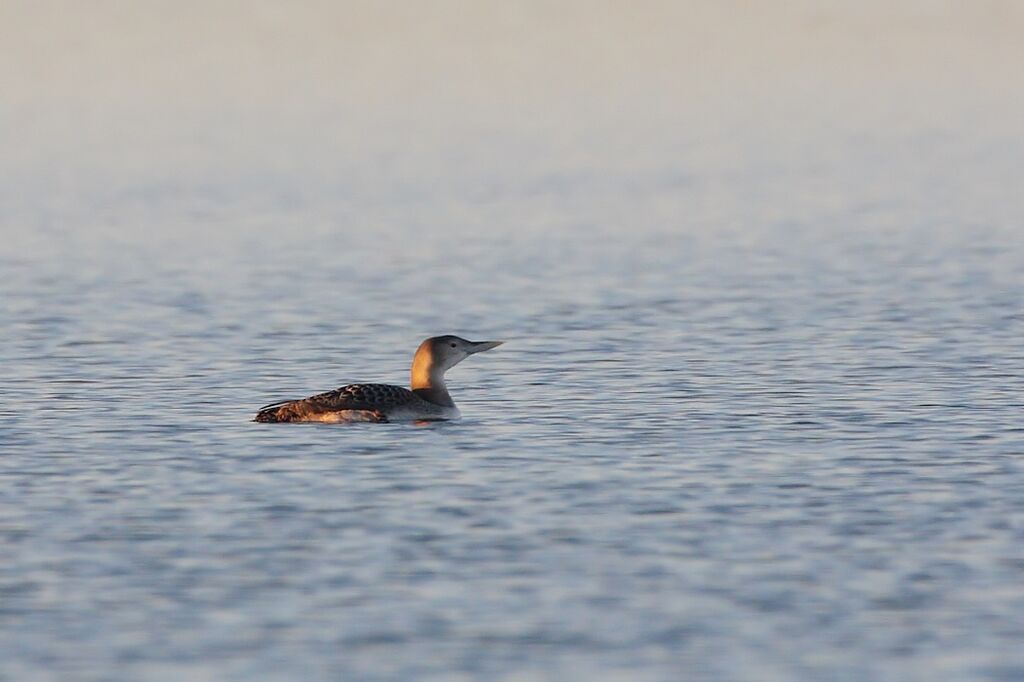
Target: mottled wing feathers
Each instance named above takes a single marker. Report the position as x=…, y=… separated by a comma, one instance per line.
x=362, y=397
x=365, y=402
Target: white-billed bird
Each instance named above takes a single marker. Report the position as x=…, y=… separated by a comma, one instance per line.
x=428, y=400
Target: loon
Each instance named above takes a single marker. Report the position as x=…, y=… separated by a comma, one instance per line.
x=428, y=399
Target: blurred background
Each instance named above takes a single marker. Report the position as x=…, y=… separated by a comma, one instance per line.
x=227, y=105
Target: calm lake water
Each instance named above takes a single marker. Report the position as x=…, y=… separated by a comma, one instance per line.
x=758, y=415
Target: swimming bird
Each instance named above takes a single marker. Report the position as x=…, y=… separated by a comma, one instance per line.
x=428, y=399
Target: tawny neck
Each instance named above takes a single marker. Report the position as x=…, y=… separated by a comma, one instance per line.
x=427, y=378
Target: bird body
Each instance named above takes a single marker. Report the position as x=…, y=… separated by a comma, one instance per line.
x=428, y=398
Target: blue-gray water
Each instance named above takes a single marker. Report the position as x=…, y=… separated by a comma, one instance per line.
x=758, y=415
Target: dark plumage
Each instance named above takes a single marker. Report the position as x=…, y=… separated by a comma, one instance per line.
x=369, y=399
x=428, y=400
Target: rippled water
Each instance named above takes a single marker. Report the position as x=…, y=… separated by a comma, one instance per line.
x=758, y=415
x=799, y=455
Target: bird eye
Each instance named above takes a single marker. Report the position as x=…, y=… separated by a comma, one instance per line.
x=453, y=345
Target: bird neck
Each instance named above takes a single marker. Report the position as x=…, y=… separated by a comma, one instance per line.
x=427, y=378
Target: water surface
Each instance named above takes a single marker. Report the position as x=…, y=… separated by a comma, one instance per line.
x=758, y=414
